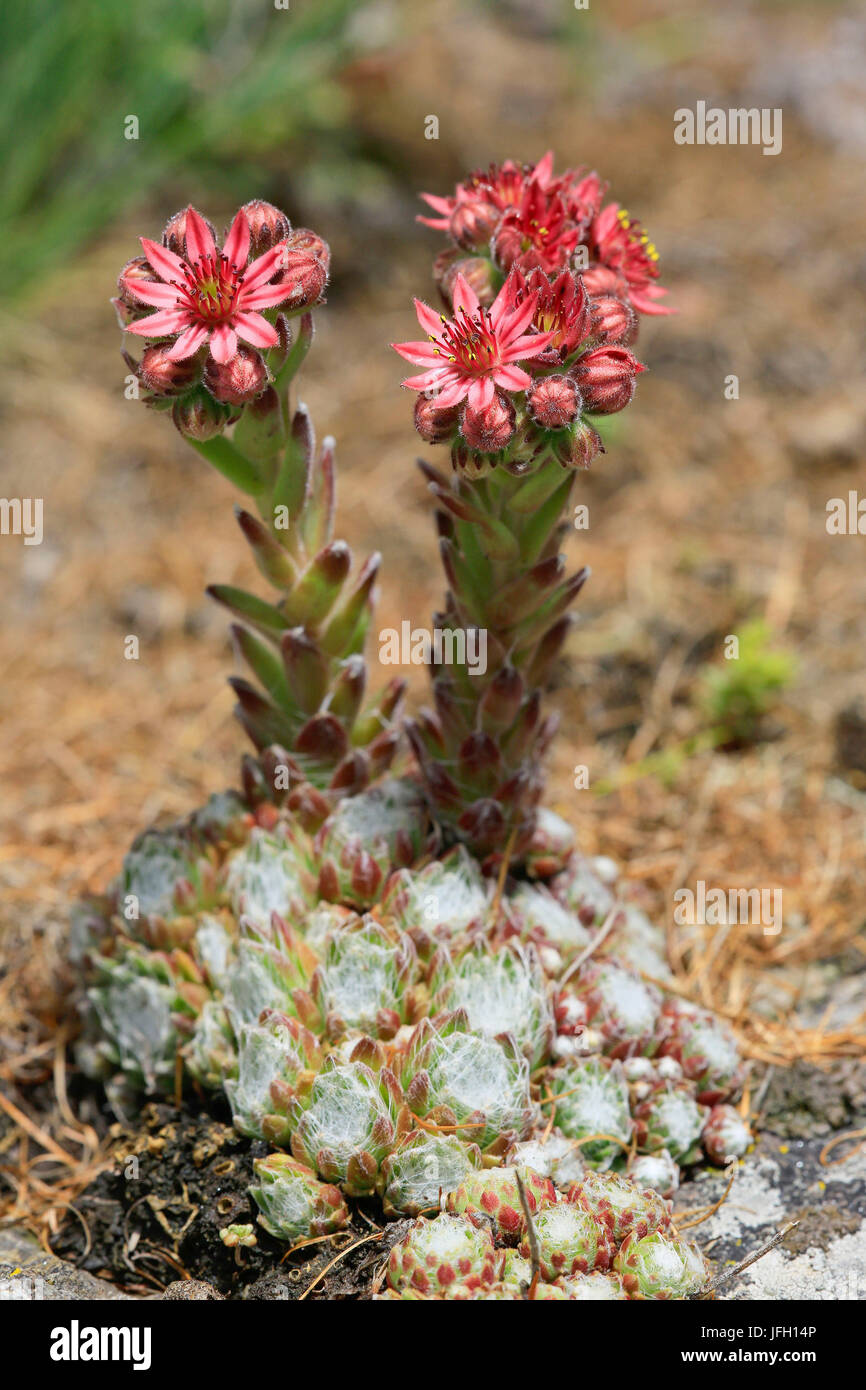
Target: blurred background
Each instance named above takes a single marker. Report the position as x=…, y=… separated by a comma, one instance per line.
x=707, y=515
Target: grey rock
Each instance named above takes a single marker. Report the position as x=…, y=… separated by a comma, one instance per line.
x=27, y=1272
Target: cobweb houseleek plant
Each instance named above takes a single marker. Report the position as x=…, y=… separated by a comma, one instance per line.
x=385, y=966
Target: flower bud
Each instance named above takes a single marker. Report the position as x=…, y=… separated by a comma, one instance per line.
x=174, y=236
x=434, y=425
x=237, y=381
x=136, y=269
x=198, y=415
x=477, y=271
x=489, y=430
x=554, y=402
x=584, y=198
x=308, y=243
x=164, y=377
x=612, y=320
x=305, y=273
x=606, y=377
x=583, y=444
x=267, y=226
x=600, y=279
x=473, y=223
x=507, y=243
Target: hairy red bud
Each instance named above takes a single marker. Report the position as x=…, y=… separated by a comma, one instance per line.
x=606, y=377
x=164, y=377
x=267, y=224
x=476, y=271
x=174, y=236
x=489, y=430
x=612, y=320
x=600, y=279
x=198, y=416
x=136, y=269
x=554, y=402
x=434, y=425
x=473, y=222
x=237, y=381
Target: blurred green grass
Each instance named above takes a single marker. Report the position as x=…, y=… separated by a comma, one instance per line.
x=225, y=92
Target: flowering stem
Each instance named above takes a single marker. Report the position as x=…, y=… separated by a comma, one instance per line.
x=227, y=459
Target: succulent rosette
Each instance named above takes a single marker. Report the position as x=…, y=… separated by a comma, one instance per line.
x=705, y=1048
x=725, y=1134
x=272, y=965
x=133, y=1005
x=570, y=1241
x=367, y=837
x=273, y=1056
x=366, y=982
x=437, y=1255
x=461, y=1082
x=269, y=874
x=670, y=1118
x=446, y=899
x=620, y=1204
x=541, y=917
x=592, y=1105
x=620, y=1006
x=657, y=1170
x=491, y=1199
x=167, y=877
x=345, y=1122
x=293, y=1204
x=501, y=991
x=660, y=1266
x=423, y=1170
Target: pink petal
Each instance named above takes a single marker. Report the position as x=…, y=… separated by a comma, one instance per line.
x=161, y=324
x=644, y=305
x=453, y=392
x=440, y=223
x=481, y=393
x=152, y=292
x=237, y=243
x=265, y=297
x=188, y=343
x=543, y=170
x=445, y=205
x=426, y=381
x=429, y=320
x=423, y=354
x=256, y=330
x=199, y=242
x=532, y=345
x=512, y=378
x=223, y=344
x=266, y=267
x=605, y=222
x=166, y=264
x=512, y=321
x=464, y=297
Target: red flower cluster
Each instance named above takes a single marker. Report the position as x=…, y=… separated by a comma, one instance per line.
x=216, y=310
x=544, y=287
x=525, y=216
